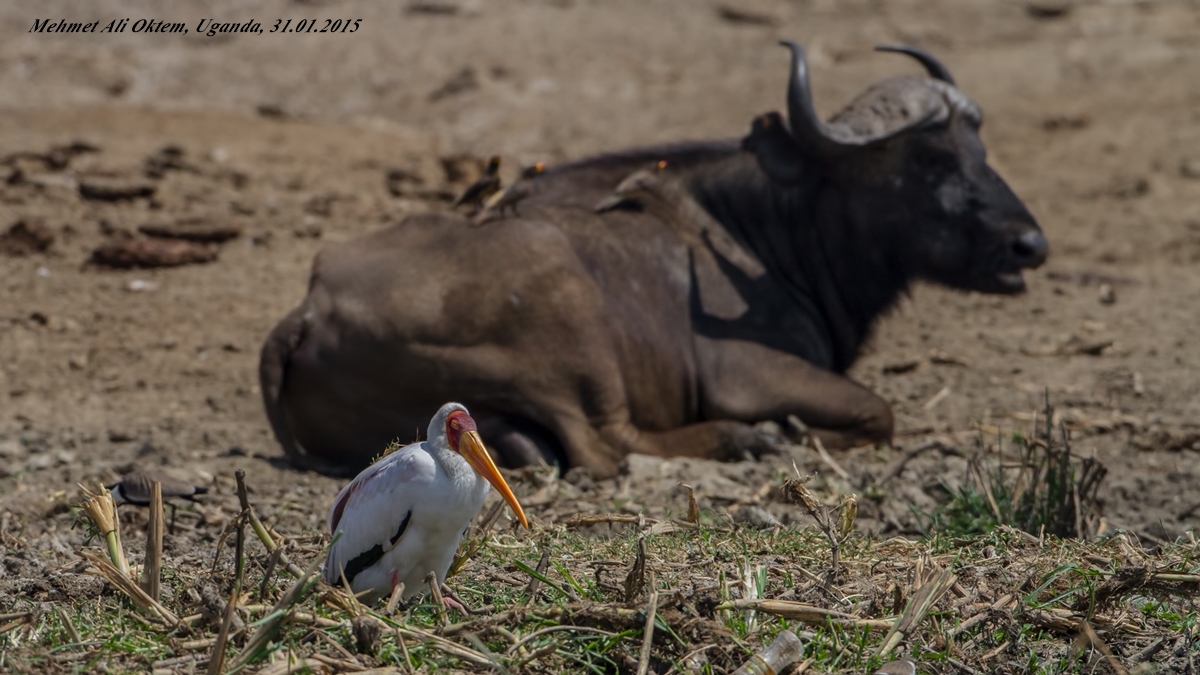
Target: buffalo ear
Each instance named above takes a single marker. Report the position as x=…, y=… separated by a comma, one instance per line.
x=778, y=153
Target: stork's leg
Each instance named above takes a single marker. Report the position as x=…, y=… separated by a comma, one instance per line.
x=450, y=600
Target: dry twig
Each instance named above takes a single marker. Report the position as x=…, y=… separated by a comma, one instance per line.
x=648, y=630
x=152, y=571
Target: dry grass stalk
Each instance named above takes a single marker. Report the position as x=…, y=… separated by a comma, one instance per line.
x=18, y=619
x=656, y=526
x=279, y=612
x=1100, y=646
x=828, y=459
x=218, y=654
x=635, y=580
x=693, y=508
x=808, y=614
x=999, y=605
x=518, y=646
x=102, y=511
x=177, y=663
x=259, y=529
x=897, y=467
x=848, y=512
x=407, y=664
x=435, y=594
x=453, y=648
x=795, y=492
x=338, y=665
x=347, y=600
x=903, y=666
x=394, y=599
x=152, y=571
x=648, y=630
x=535, y=580
x=294, y=663
x=272, y=563
x=589, y=519
x=987, y=489
x=129, y=588
x=537, y=654
x=922, y=601
x=68, y=625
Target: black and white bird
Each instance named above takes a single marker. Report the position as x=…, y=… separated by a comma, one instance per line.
x=487, y=185
x=134, y=488
x=404, y=516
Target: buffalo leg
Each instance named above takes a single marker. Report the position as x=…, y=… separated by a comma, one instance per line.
x=750, y=382
x=596, y=430
x=515, y=442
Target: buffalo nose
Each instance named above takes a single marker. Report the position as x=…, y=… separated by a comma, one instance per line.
x=1031, y=249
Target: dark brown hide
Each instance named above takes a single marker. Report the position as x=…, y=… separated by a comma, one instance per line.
x=580, y=337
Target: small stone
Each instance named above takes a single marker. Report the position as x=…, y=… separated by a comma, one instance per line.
x=1190, y=168
x=26, y=237
x=104, y=188
x=200, y=230
x=37, y=462
x=367, y=632
x=1107, y=295
x=12, y=450
x=1048, y=9
x=149, y=252
x=755, y=516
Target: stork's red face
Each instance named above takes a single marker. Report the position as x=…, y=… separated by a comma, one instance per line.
x=464, y=439
x=458, y=423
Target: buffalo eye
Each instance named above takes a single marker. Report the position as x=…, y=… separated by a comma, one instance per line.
x=933, y=165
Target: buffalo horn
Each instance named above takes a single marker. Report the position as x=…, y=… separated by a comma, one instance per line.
x=809, y=131
x=936, y=69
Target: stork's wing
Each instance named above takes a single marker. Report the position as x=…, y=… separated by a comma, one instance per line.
x=372, y=512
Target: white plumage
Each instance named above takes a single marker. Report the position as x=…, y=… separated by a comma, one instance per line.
x=404, y=516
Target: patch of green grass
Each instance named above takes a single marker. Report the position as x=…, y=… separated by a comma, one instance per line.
x=1044, y=490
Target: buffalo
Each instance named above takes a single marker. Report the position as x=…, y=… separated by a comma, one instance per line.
x=579, y=335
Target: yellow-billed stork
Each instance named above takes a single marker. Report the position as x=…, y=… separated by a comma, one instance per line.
x=404, y=516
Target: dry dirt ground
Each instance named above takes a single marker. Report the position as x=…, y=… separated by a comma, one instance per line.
x=1093, y=116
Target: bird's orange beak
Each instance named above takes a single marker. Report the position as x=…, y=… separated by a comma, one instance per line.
x=470, y=446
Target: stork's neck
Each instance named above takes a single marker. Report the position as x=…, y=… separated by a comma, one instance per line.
x=452, y=464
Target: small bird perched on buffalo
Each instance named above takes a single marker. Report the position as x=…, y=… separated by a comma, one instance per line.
x=487, y=185
x=626, y=193
x=514, y=194
x=663, y=190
